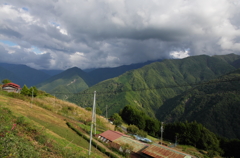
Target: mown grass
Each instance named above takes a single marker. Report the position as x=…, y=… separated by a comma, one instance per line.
x=87, y=128
x=63, y=132
x=20, y=138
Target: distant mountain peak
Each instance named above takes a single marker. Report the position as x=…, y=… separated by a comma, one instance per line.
x=74, y=68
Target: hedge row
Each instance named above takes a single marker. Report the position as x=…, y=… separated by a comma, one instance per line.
x=93, y=142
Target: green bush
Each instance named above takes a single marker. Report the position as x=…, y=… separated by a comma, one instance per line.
x=133, y=129
x=20, y=120
x=142, y=133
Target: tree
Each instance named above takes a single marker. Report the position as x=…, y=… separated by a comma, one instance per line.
x=25, y=90
x=33, y=91
x=132, y=115
x=98, y=111
x=152, y=126
x=117, y=120
x=195, y=134
x=142, y=133
x=88, y=108
x=127, y=114
x=6, y=81
x=132, y=129
x=139, y=120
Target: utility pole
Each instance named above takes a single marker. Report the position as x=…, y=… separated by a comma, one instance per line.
x=93, y=110
x=95, y=117
x=161, y=132
x=106, y=113
x=176, y=141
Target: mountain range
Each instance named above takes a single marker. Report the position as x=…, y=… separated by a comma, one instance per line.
x=22, y=74
x=150, y=86
x=169, y=90
x=75, y=80
x=156, y=88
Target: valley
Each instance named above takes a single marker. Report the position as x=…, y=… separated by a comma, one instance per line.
x=199, y=88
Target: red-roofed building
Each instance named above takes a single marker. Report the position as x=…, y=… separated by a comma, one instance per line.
x=160, y=151
x=11, y=87
x=139, y=149
x=110, y=136
x=118, y=140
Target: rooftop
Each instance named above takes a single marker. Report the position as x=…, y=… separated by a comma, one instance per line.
x=159, y=151
x=11, y=85
x=135, y=144
x=112, y=135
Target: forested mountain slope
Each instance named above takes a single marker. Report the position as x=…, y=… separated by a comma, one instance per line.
x=78, y=80
x=102, y=74
x=150, y=86
x=70, y=81
x=215, y=104
x=232, y=59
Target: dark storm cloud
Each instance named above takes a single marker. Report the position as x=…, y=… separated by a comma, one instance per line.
x=105, y=33
x=5, y=30
x=21, y=56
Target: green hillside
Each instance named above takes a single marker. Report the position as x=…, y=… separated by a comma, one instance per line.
x=150, y=86
x=102, y=74
x=215, y=105
x=40, y=128
x=49, y=127
x=232, y=59
x=70, y=81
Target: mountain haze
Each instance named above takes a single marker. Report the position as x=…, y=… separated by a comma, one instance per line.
x=52, y=72
x=6, y=74
x=24, y=74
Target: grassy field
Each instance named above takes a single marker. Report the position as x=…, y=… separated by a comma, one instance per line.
x=50, y=115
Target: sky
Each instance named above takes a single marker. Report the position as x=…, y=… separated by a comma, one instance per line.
x=60, y=34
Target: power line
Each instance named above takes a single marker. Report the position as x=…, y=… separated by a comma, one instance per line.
x=154, y=88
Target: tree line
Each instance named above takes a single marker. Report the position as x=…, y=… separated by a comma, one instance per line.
x=131, y=115
x=187, y=133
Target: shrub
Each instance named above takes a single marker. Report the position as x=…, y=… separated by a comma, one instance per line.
x=70, y=108
x=20, y=120
x=142, y=133
x=133, y=129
